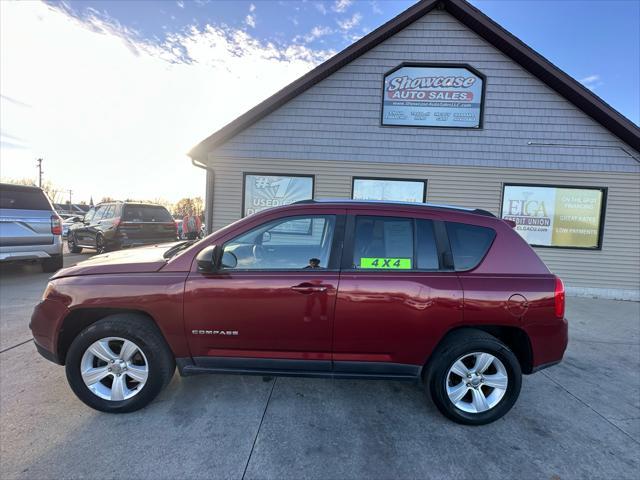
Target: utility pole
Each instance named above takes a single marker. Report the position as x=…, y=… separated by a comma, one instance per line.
x=39, y=172
x=70, y=192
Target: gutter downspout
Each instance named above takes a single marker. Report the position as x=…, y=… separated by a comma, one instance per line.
x=208, y=198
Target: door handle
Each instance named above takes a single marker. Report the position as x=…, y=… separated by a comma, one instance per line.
x=308, y=288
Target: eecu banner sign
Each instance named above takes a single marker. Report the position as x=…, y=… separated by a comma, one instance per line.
x=432, y=96
x=555, y=216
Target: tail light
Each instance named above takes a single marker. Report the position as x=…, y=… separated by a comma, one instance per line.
x=558, y=296
x=56, y=225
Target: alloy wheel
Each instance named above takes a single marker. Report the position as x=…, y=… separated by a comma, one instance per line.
x=100, y=244
x=476, y=382
x=114, y=368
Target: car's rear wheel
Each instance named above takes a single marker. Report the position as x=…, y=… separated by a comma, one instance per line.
x=72, y=243
x=119, y=364
x=100, y=245
x=52, y=264
x=474, y=378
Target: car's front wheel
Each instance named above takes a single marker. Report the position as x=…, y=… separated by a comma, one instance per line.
x=72, y=243
x=474, y=378
x=119, y=364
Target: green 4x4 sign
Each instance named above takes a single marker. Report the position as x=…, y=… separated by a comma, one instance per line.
x=385, y=263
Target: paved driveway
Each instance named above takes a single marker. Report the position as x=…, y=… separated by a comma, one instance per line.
x=580, y=419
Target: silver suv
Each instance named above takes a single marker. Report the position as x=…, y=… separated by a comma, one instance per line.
x=29, y=227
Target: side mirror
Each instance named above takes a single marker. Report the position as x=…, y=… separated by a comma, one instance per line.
x=229, y=260
x=208, y=258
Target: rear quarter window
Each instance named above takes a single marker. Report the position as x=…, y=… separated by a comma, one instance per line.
x=23, y=199
x=469, y=244
x=146, y=213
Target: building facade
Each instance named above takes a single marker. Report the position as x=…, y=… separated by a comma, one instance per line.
x=386, y=119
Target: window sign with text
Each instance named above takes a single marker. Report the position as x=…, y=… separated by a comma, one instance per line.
x=556, y=216
x=389, y=190
x=266, y=191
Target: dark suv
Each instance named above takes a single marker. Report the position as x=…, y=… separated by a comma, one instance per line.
x=116, y=225
x=452, y=298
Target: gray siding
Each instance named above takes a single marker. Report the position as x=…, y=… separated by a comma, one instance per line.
x=333, y=131
x=613, y=271
x=339, y=118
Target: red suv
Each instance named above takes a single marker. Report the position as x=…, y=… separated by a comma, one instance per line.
x=450, y=297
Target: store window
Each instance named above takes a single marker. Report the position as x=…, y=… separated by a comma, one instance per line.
x=389, y=189
x=556, y=216
x=262, y=191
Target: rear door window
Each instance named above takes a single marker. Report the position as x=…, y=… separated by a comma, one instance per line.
x=23, y=199
x=383, y=243
x=469, y=244
x=109, y=212
x=100, y=211
x=146, y=213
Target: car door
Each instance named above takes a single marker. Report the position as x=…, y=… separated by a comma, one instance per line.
x=273, y=299
x=81, y=231
x=396, y=293
x=91, y=230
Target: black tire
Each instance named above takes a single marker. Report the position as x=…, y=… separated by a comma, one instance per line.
x=456, y=346
x=100, y=245
x=52, y=264
x=72, y=243
x=146, y=335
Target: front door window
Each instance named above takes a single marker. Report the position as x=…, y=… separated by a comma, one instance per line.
x=293, y=243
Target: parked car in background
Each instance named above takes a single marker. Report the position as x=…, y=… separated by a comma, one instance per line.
x=453, y=298
x=67, y=221
x=116, y=225
x=30, y=229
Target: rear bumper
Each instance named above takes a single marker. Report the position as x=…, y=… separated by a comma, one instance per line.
x=31, y=252
x=137, y=242
x=548, y=343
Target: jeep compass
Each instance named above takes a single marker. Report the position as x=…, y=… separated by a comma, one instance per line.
x=451, y=298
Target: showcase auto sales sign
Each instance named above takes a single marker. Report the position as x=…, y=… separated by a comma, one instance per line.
x=426, y=96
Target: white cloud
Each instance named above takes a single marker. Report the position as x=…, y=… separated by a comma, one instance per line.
x=315, y=33
x=350, y=23
x=592, y=81
x=321, y=8
x=180, y=3
x=341, y=5
x=375, y=8
x=250, y=19
x=113, y=115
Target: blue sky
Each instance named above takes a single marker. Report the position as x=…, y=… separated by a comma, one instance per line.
x=112, y=94
x=597, y=42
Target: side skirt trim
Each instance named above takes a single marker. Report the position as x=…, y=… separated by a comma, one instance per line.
x=298, y=368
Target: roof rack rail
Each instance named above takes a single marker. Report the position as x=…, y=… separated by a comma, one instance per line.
x=476, y=211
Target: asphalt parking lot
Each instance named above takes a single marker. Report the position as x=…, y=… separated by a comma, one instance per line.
x=580, y=419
